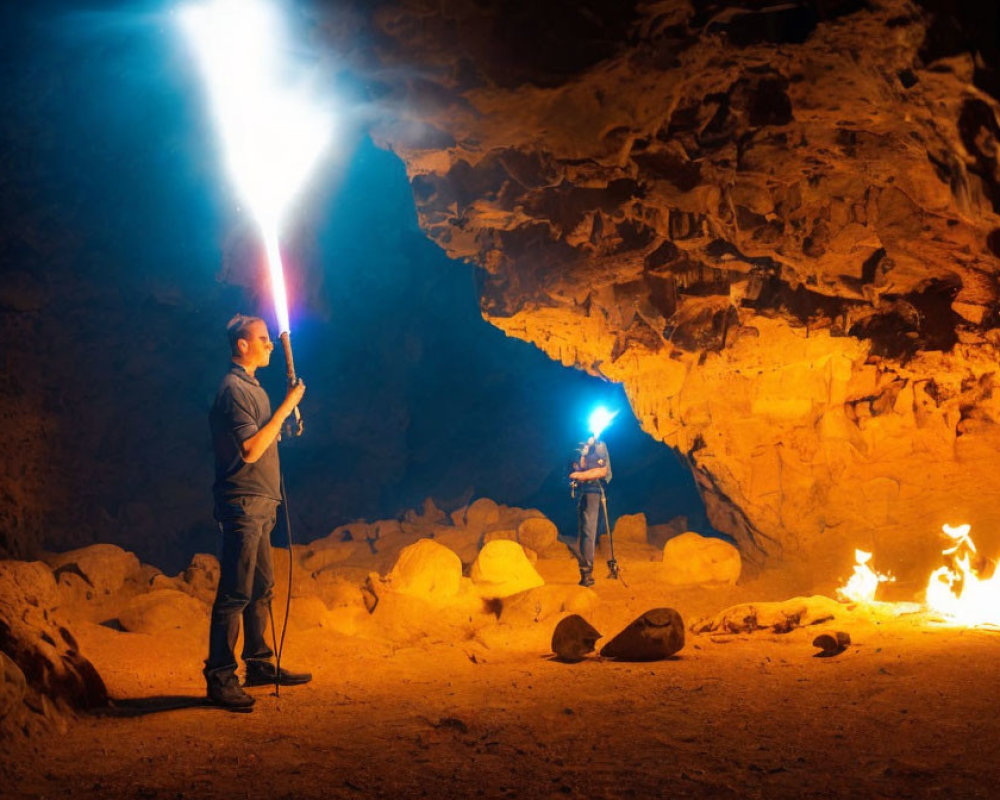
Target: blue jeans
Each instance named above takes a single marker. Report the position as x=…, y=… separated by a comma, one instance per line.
x=588, y=513
x=246, y=583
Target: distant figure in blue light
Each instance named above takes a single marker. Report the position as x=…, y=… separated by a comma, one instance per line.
x=591, y=470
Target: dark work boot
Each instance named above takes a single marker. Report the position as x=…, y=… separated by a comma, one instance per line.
x=586, y=579
x=225, y=691
x=261, y=673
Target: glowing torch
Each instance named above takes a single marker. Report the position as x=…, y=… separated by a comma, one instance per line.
x=273, y=130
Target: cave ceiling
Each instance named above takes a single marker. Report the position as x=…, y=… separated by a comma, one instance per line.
x=777, y=225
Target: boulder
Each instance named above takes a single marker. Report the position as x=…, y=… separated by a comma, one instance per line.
x=202, y=576
x=656, y=634
x=502, y=569
x=41, y=645
x=163, y=611
x=691, y=559
x=573, y=638
x=105, y=567
x=481, y=514
x=426, y=569
x=538, y=533
x=630, y=528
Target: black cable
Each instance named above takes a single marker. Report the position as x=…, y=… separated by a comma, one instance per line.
x=279, y=647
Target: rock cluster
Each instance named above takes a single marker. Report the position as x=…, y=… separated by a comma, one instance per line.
x=43, y=672
x=398, y=580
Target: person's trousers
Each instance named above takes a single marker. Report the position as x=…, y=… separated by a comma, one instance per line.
x=246, y=583
x=588, y=516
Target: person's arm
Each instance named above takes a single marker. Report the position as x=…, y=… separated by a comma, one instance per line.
x=254, y=447
x=589, y=474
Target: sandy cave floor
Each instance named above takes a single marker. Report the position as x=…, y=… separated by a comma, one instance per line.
x=907, y=711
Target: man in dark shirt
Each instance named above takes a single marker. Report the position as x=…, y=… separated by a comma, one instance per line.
x=591, y=471
x=247, y=493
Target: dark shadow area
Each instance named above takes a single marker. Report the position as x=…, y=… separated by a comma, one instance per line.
x=129, y=707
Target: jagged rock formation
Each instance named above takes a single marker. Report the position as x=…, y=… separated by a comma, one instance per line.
x=778, y=227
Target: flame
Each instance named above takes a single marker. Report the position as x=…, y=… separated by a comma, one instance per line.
x=277, y=274
x=274, y=131
x=956, y=591
x=864, y=583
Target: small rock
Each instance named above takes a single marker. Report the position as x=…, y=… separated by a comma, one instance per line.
x=656, y=634
x=573, y=638
x=831, y=643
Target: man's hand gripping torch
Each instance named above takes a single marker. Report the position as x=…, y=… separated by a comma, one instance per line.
x=293, y=425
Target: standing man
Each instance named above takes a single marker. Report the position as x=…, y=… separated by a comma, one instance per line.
x=247, y=493
x=590, y=472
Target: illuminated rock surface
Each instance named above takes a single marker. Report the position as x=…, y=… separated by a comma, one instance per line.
x=427, y=569
x=777, y=227
x=693, y=559
x=502, y=569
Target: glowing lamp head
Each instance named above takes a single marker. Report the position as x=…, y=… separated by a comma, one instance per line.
x=600, y=418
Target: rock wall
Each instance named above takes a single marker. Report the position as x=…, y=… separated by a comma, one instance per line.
x=777, y=226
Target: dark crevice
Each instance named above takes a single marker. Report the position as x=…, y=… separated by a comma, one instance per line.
x=905, y=324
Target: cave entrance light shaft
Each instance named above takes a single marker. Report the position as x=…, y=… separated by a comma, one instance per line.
x=273, y=129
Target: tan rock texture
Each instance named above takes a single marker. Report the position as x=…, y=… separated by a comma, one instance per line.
x=43, y=671
x=427, y=569
x=776, y=226
x=691, y=559
x=502, y=568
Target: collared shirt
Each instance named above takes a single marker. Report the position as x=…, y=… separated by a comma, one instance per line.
x=597, y=456
x=242, y=408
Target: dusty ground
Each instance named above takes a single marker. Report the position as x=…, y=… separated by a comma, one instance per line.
x=907, y=711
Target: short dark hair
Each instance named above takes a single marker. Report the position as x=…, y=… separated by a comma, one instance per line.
x=236, y=328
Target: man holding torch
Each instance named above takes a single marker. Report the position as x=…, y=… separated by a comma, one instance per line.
x=247, y=493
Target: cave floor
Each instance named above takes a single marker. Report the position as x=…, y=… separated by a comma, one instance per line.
x=908, y=710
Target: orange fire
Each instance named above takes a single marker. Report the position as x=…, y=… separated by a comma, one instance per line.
x=956, y=590
x=864, y=583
